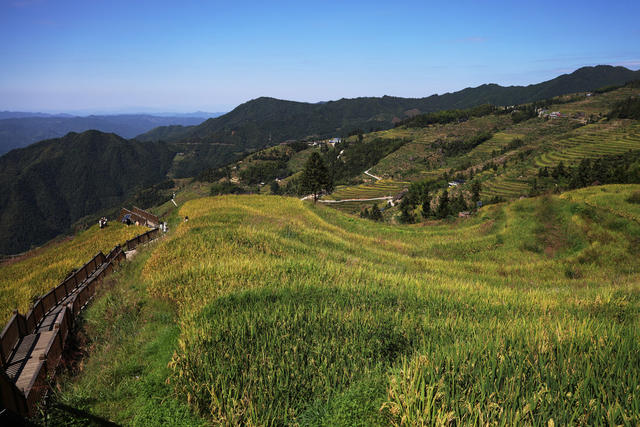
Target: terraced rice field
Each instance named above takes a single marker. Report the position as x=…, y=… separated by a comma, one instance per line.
x=413, y=160
x=496, y=143
x=502, y=186
x=591, y=145
x=381, y=188
x=598, y=103
x=612, y=198
x=355, y=208
x=290, y=313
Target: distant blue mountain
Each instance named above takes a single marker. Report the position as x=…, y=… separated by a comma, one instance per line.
x=19, y=129
x=24, y=114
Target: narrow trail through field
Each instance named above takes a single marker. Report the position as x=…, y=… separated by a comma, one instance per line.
x=357, y=200
x=372, y=175
x=310, y=196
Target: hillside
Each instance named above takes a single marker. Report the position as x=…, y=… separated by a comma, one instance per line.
x=47, y=186
x=289, y=312
x=517, y=158
x=40, y=270
x=21, y=129
x=266, y=121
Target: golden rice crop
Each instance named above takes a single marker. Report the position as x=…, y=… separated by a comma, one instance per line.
x=293, y=312
x=26, y=279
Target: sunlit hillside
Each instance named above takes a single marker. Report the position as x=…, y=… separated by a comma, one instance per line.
x=290, y=312
x=25, y=279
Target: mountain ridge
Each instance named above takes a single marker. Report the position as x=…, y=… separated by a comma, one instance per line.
x=19, y=129
x=49, y=185
x=266, y=121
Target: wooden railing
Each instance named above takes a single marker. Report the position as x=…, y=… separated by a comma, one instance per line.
x=142, y=238
x=149, y=217
x=141, y=216
x=52, y=317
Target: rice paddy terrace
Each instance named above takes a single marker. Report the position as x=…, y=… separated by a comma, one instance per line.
x=591, y=142
x=278, y=311
x=541, y=143
x=353, y=199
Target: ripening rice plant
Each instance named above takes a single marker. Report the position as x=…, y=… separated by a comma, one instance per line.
x=295, y=313
x=24, y=280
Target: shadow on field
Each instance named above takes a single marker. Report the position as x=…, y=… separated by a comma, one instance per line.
x=62, y=414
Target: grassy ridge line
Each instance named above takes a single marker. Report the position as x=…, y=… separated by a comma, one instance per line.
x=24, y=280
x=609, y=197
x=303, y=291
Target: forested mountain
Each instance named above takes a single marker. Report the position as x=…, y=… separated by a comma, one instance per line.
x=267, y=121
x=47, y=186
x=19, y=129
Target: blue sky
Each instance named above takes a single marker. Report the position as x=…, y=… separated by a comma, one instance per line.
x=125, y=56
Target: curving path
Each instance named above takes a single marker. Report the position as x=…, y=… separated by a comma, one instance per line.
x=372, y=175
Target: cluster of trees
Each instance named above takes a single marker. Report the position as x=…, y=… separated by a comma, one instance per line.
x=634, y=197
x=154, y=195
x=609, y=88
x=461, y=146
x=373, y=213
x=448, y=116
x=358, y=156
x=512, y=145
x=615, y=169
x=226, y=187
x=263, y=166
x=214, y=174
x=263, y=171
x=280, y=153
x=626, y=109
x=421, y=194
x=524, y=112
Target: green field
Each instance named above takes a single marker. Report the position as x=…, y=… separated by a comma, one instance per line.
x=293, y=313
x=416, y=159
x=502, y=186
x=370, y=190
x=592, y=143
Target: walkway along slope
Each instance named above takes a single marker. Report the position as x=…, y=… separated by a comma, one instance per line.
x=31, y=345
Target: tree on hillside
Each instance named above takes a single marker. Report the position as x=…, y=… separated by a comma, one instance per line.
x=376, y=214
x=458, y=204
x=559, y=171
x=443, y=205
x=426, y=205
x=476, y=187
x=406, y=216
x=275, y=187
x=316, y=177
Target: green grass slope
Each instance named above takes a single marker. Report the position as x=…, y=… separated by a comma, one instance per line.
x=294, y=313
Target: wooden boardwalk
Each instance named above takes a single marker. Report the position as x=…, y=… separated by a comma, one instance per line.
x=31, y=345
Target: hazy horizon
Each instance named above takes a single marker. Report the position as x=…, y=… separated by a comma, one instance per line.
x=121, y=58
